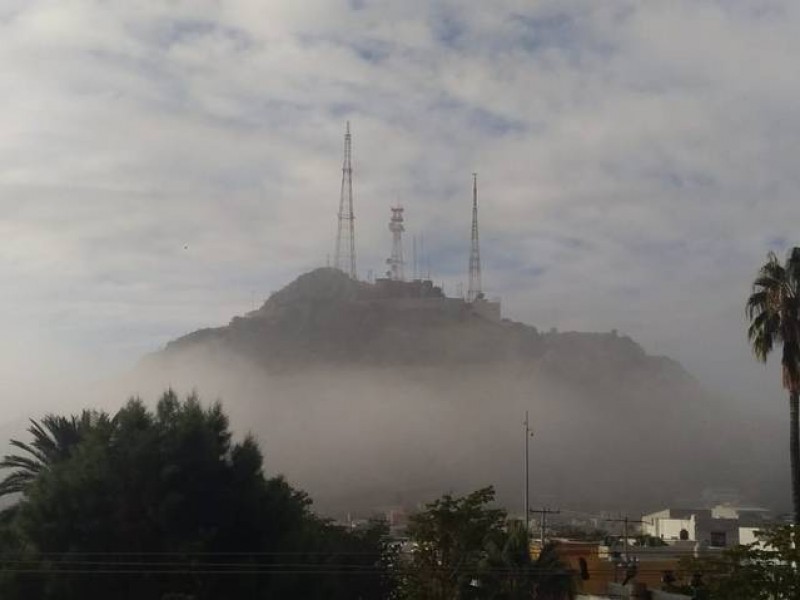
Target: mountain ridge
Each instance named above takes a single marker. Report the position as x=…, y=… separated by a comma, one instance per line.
x=323, y=316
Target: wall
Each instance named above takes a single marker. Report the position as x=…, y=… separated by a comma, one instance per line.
x=626, y=592
x=747, y=535
x=708, y=527
x=670, y=529
x=723, y=511
x=659, y=595
x=602, y=571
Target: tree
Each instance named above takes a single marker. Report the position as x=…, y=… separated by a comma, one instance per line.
x=553, y=580
x=508, y=565
x=463, y=549
x=53, y=440
x=450, y=538
x=766, y=570
x=773, y=309
x=164, y=504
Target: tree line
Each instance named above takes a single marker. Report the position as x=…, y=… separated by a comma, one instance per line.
x=164, y=504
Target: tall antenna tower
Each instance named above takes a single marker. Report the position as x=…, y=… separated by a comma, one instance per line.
x=345, y=257
x=415, y=276
x=475, y=289
x=395, y=262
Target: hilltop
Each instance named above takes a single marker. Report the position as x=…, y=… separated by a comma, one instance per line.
x=326, y=318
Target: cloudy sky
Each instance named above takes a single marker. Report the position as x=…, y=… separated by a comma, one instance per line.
x=163, y=164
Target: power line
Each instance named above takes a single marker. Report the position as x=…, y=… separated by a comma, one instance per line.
x=544, y=512
x=625, y=520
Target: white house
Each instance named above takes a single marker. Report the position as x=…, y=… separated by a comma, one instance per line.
x=719, y=527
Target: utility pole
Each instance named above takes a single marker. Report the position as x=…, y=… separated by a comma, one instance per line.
x=625, y=520
x=528, y=435
x=544, y=512
x=414, y=257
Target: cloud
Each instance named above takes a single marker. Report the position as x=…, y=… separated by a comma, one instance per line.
x=162, y=163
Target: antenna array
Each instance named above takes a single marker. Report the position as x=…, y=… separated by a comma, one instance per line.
x=345, y=256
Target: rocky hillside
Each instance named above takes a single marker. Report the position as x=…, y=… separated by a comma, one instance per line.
x=324, y=317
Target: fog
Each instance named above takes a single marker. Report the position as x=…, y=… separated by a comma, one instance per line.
x=358, y=439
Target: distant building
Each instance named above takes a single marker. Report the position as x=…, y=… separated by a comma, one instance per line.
x=719, y=527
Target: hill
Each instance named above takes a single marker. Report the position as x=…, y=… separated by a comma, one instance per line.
x=324, y=317
x=370, y=396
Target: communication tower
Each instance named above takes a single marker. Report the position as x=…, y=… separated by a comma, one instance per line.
x=395, y=262
x=475, y=291
x=345, y=257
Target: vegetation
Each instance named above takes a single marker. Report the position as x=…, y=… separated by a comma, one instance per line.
x=580, y=533
x=162, y=504
x=766, y=570
x=463, y=548
x=773, y=309
x=53, y=441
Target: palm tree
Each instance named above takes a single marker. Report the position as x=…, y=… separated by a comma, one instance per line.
x=512, y=574
x=554, y=579
x=773, y=309
x=54, y=438
x=507, y=564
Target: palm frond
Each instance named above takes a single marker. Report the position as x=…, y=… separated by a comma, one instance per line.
x=760, y=323
x=15, y=482
x=20, y=462
x=54, y=438
x=773, y=309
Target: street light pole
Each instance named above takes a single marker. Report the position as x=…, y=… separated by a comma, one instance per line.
x=528, y=435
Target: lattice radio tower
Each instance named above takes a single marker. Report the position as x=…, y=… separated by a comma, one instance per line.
x=396, y=262
x=475, y=291
x=345, y=257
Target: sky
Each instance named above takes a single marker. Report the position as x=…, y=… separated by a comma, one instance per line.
x=164, y=166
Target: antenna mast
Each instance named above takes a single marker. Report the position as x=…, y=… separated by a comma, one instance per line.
x=345, y=257
x=475, y=292
x=414, y=257
x=395, y=262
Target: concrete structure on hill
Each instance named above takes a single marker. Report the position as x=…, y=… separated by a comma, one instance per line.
x=423, y=295
x=396, y=261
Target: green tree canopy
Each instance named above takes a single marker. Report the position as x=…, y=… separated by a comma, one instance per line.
x=766, y=570
x=463, y=548
x=158, y=504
